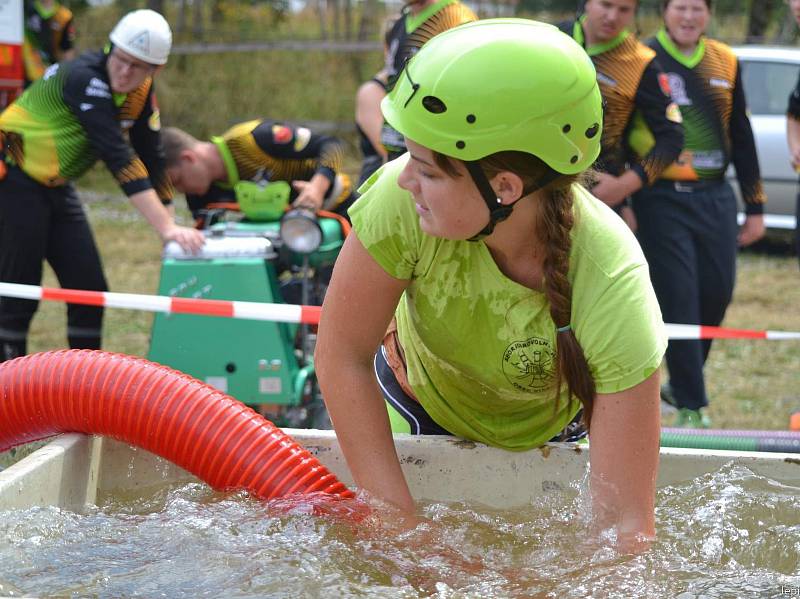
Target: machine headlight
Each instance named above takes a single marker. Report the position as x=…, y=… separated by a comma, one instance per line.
x=300, y=231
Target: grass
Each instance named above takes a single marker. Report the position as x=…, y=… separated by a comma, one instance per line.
x=756, y=383
x=309, y=86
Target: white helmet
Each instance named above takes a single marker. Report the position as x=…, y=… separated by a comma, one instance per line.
x=144, y=34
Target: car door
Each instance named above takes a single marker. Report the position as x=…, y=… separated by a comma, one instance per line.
x=767, y=85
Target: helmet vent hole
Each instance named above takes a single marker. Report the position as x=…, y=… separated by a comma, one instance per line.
x=592, y=131
x=460, y=145
x=566, y=128
x=574, y=159
x=434, y=104
x=470, y=118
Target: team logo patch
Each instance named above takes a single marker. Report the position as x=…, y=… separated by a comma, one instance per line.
x=674, y=113
x=281, y=134
x=530, y=365
x=677, y=88
x=663, y=83
x=141, y=42
x=301, y=138
x=154, y=122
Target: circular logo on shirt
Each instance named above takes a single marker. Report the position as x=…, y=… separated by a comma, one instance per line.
x=530, y=365
x=677, y=87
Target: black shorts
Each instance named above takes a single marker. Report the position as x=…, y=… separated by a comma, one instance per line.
x=419, y=421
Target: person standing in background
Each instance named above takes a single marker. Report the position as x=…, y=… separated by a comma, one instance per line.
x=687, y=219
x=633, y=89
x=100, y=106
x=419, y=21
x=49, y=37
x=793, y=127
x=368, y=116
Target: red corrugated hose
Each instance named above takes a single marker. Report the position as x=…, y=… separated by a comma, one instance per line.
x=166, y=412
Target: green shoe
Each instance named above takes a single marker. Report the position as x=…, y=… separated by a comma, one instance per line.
x=669, y=405
x=692, y=419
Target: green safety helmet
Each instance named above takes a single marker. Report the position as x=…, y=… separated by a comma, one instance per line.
x=498, y=85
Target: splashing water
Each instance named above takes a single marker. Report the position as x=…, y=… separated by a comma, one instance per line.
x=728, y=534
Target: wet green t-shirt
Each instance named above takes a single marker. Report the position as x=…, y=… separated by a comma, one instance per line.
x=480, y=348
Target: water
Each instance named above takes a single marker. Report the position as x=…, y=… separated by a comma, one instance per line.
x=729, y=534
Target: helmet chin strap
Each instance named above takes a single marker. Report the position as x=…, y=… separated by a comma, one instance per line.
x=498, y=212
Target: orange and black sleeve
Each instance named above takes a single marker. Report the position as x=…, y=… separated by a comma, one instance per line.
x=661, y=116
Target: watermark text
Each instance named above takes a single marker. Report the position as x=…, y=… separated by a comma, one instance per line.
x=787, y=591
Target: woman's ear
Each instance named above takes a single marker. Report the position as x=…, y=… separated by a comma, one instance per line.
x=507, y=186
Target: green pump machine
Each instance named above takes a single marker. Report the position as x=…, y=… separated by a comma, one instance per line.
x=258, y=253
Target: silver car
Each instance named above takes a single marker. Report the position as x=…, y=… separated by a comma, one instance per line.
x=769, y=75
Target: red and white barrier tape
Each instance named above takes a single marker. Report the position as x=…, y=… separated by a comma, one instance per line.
x=168, y=305
x=290, y=312
x=697, y=331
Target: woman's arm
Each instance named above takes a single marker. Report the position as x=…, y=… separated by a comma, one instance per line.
x=358, y=307
x=368, y=113
x=745, y=161
x=623, y=452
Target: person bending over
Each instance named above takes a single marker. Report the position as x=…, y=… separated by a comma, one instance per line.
x=259, y=151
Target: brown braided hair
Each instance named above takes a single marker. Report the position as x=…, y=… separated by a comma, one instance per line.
x=553, y=230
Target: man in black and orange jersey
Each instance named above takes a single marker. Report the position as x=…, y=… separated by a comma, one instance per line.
x=78, y=112
x=419, y=21
x=260, y=151
x=633, y=87
x=49, y=37
x=687, y=220
x=793, y=127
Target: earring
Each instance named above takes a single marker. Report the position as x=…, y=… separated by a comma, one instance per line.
x=499, y=201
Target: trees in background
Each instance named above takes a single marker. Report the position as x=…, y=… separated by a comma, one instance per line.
x=754, y=21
